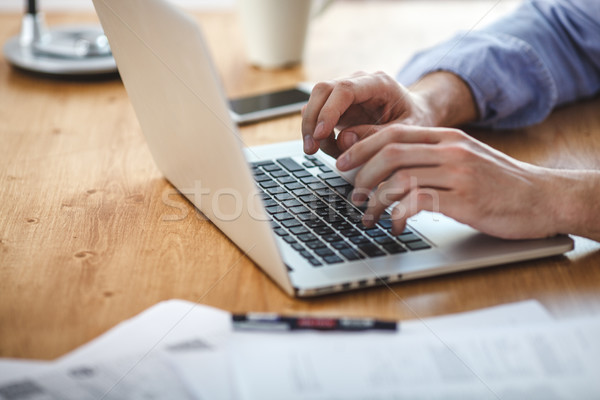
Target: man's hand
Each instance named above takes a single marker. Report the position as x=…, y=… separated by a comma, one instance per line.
x=445, y=170
x=363, y=104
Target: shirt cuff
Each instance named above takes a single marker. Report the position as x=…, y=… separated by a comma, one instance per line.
x=511, y=86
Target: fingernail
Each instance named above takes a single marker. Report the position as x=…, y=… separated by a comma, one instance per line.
x=357, y=198
x=309, y=143
x=349, y=139
x=319, y=130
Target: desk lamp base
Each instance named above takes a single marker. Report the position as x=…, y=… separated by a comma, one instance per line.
x=62, y=51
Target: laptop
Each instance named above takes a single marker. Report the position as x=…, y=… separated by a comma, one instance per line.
x=287, y=211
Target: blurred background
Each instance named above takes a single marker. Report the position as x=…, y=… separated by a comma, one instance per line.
x=82, y=5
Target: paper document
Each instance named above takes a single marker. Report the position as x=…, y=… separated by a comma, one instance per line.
x=538, y=361
x=183, y=350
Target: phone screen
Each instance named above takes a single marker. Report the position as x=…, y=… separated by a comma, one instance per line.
x=267, y=101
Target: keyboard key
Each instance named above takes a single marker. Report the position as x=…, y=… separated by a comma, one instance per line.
x=268, y=184
x=308, y=179
x=283, y=196
x=275, y=209
x=307, y=217
x=324, y=169
x=298, y=210
x=384, y=240
x=290, y=223
x=332, y=259
x=317, y=186
x=350, y=232
x=322, y=212
x=269, y=202
x=336, y=182
x=279, y=174
x=315, y=244
x=410, y=237
x=289, y=239
x=351, y=254
x=374, y=232
x=275, y=190
x=420, y=245
x=280, y=231
x=294, y=185
x=286, y=179
x=359, y=239
x=319, y=204
x=344, y=191
x=332, y=237
x=262, y=163
x=326, y=193
x=323, y=230
x=297, y=246
x=291, y=203
x=299, y=230
x=307, y=237
x=305, y=254
x=315, y=223
x=272, y=167
x=301, y=174
x=324, y=252
x=301, y=191
x=309, y=198
x=308, y=164
x=340, y=245
x=371, y=250
x=283, y=216
x=394, y=248
x=262, y=177
x=385, y=223
x=290, y=164
x=328, y=175
x=314, y=262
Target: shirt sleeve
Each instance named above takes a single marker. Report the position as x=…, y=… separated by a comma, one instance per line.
x=544, y=54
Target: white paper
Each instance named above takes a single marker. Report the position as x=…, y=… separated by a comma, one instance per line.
x=111, y=379
x=175, y=342
x=14, y=368
x=192, y=367
x=537, y=361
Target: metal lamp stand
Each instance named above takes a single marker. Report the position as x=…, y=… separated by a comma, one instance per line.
x=62, y=51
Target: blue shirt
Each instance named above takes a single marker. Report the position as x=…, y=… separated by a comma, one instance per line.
x=544, y=54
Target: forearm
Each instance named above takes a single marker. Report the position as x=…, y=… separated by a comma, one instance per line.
x=575, y=207
x=446, y=98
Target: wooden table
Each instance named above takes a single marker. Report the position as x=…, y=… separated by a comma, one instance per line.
x=91, y=234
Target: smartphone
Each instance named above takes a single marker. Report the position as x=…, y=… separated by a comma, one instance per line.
x=268, y=105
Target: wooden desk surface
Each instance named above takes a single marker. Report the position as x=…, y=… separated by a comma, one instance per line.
x=86, y=231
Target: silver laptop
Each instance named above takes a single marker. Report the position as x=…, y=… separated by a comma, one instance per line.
x=288, y=212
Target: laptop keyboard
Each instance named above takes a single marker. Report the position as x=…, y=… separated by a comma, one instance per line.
x=309, y=209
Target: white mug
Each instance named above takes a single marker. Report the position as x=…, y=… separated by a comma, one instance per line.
x=275, y=30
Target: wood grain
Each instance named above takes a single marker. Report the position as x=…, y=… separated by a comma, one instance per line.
x=91, y=234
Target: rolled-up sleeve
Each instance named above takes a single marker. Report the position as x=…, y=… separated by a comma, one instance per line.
x=544, y=54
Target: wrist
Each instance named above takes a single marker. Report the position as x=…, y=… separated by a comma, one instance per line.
x=444, y=99
x=575, y=209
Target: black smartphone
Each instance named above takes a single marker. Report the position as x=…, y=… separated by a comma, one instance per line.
x=268, y=105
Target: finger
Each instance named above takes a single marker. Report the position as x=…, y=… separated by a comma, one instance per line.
x=330, y=146
x=395, y=133
x=345, y=93
x=419, y=199
x=399, y=185
x=391, y=158
x=317, y=99
x=349, y=136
